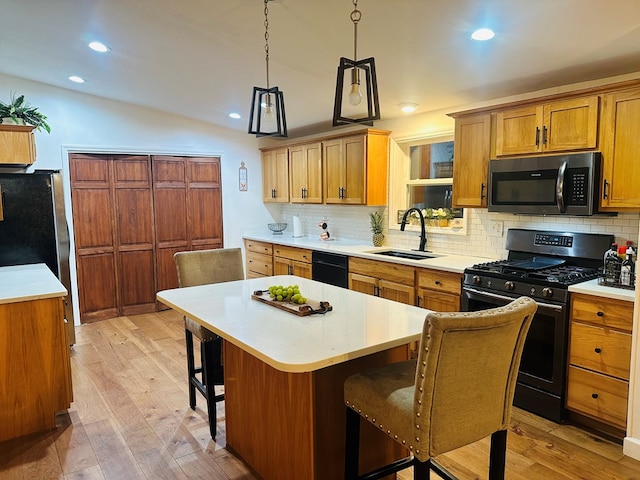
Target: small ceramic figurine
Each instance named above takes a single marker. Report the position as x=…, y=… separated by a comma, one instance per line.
x=325, y=233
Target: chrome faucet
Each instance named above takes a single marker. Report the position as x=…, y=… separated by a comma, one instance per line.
x=423, y=232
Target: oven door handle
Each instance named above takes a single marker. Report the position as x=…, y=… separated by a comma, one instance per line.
x=560, y=187
x=509, y=299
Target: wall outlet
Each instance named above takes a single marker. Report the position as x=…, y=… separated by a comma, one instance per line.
x=496, y=227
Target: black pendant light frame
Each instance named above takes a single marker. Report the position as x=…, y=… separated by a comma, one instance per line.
x=267, y=98
x=356, y=67
x=368, y=67
x=259, y=103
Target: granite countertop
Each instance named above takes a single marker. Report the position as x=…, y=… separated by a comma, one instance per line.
x=444, y=262
x=22, y=283
x=593, y=288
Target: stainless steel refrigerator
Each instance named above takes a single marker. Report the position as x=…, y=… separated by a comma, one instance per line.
x=33, y=227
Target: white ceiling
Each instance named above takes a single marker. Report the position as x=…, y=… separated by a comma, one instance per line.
x=201, y=58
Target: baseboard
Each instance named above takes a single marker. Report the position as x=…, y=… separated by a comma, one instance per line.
x=631, y=447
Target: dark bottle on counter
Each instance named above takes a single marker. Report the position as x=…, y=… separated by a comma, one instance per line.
x=612, y=264
x=627, y=273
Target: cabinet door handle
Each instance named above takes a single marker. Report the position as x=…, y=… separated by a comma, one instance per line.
x=419, y=301
x=273, y=193
x=594, y=395
x=605, y=187
x=544, y=135
x=537, y=136
x=600, y=314
x=482, y=185
x=597, y=350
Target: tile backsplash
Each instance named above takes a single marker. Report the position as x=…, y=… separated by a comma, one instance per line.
x=352, y=222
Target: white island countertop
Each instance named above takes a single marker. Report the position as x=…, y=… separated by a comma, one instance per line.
x=441, y=261
x=22, y=283
x=358, y=325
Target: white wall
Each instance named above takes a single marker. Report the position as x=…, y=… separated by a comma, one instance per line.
x=82, y=122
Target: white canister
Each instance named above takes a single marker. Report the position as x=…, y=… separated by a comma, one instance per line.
x=297, y=227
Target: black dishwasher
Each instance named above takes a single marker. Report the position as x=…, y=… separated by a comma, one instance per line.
x=330, y=268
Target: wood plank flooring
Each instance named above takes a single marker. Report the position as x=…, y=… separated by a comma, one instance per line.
x=130, y=419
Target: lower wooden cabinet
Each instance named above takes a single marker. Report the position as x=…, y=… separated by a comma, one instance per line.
x=291, y=261
x=258, y=258
x=36, y=377
x=382, y=279
x=599, y=359
x=438, y=290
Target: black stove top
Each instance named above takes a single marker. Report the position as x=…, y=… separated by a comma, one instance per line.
x=525, y=270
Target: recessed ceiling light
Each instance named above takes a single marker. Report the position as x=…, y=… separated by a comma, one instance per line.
x=76, y=79
x=483, y=34
x=98, y=47
x=408, y=107
x=235, y=115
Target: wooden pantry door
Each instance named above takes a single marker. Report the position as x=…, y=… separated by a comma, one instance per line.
x=131, y=213
x=114, y=236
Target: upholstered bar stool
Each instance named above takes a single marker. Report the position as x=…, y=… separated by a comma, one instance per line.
x=458, y=391
x=201, y=267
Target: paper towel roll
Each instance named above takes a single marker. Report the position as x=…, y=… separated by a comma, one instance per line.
x=297, y=227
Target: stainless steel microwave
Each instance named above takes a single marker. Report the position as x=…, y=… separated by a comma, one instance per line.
x=552, y=185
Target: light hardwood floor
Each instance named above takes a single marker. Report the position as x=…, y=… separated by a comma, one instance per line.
x=130, y=419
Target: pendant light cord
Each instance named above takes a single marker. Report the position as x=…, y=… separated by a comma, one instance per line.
x=266, y=38
x=355, y=18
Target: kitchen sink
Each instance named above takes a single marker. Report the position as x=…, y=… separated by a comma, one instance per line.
x=404, y=254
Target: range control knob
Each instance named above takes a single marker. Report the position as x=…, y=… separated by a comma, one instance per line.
x=533, y=290
x=509, y=285
x=477, y=280
x=547, y=292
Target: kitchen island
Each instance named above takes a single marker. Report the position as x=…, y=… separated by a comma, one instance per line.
x=35, y=377
x=284, y=373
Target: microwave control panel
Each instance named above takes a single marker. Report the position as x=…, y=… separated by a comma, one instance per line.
x=577, y=180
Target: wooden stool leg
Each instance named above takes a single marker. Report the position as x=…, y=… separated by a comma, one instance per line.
x=191, y=368
x=208, y=379
x=497, y=455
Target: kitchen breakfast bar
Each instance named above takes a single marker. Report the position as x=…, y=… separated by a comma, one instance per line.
x=284, y=373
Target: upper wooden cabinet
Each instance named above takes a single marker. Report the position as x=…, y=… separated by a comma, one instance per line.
x=620, y=141
x=355, y=168
x=471, y=151
x=305, y=173
x=275, y=175
x=17, y=145
x=560, y=126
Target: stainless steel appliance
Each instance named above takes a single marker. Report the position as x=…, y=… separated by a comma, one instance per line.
x=34, y=228
x=541, y=265
x=331, y=268
x=552, y=185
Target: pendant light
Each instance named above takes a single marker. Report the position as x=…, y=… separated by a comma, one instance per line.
x=267, y=117
x=359, y=70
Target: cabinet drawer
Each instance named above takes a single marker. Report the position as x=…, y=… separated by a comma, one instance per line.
x=259, y=263
x=598, y=396
x=602, y=311
x=601, y=349
x=297, y=254
x=441, y=281
x=258, y=247
x=392, y=272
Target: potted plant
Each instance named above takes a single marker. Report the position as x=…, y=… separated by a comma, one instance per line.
x=376, y=228
x=443, y=215
x=20, y=112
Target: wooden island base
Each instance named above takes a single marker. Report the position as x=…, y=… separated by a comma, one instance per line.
x=292, y=425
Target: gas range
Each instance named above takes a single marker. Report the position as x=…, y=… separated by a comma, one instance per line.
x=541, y=265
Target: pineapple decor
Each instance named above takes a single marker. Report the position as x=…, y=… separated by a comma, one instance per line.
x=376, y=228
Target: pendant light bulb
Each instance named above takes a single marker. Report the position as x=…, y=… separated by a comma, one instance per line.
x=355, y=96
x=268, y=116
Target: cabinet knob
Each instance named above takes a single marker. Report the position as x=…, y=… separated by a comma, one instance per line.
x=437, y=282
x=600, y=314
x=597, y=350
x=594, y=395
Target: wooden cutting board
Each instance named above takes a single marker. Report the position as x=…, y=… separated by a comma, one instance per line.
x=309, y=308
